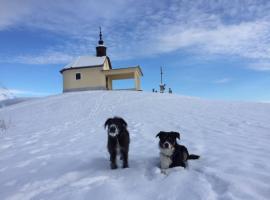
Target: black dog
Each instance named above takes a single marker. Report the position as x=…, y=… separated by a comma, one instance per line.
x=171, y=153
x=118, y=140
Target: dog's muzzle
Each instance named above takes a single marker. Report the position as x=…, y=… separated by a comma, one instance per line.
x=166, y=145
x=113, y=130
x=166, y=149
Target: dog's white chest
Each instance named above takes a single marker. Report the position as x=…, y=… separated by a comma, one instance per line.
x=165, y=161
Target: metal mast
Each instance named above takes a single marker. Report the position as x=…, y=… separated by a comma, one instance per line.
x=161, y=73
x=161, y=86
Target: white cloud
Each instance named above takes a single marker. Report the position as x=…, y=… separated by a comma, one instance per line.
x=12, y=12
x=222, y=81
x=247, y=39
x=144, y=28
x=263, y=65
x=48, y=58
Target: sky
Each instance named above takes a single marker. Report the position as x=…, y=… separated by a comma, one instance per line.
x=214, y=49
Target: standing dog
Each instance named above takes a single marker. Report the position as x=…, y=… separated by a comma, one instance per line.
x=171, y=153
x=118, y=140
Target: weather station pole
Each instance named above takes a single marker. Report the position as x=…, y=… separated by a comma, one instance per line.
x=161, y=73
x=162, y=86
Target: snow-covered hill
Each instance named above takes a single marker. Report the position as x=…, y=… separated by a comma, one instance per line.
x=55, y=148
x=12, y=101
x=5, y=94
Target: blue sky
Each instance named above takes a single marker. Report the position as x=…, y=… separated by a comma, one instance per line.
x=216, y=49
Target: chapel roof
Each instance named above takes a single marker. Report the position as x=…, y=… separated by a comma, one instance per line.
x=85, y=62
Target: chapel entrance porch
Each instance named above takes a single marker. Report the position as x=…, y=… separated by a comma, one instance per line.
x=121, y=74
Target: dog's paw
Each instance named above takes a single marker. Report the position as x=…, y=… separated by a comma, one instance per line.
x=164, y=171
x=113, y=166
x=125, y=165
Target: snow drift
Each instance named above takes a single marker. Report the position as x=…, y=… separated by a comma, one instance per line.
x=55, y=148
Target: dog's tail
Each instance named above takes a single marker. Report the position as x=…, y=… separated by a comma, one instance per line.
x=193, y=157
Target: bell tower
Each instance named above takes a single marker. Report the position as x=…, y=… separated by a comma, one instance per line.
x=100, y=49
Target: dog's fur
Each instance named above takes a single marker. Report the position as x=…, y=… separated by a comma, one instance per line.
x=118, y=140
x=171, y=153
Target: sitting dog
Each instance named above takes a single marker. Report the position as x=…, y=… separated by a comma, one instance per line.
x=171, y=153
x=118, y=140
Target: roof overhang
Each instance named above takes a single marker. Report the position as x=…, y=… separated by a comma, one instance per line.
x=123, y=73
x=71, y=68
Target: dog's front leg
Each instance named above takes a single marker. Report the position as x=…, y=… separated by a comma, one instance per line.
x=124, y=155
x=113, y=159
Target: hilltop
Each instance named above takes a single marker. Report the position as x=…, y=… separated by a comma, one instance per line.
x=55, y=148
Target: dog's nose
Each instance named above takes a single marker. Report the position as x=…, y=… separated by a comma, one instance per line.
x=112, y=129
x=166, y=145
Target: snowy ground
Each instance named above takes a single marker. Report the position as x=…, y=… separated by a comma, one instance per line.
x=9, y=102
x=55, y=148
x=5, y=94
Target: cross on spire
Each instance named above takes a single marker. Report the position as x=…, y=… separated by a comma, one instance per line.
x=100, y=42
x=100, y=49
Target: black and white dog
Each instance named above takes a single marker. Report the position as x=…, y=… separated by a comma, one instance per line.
x=171, y=153
x=118, y=140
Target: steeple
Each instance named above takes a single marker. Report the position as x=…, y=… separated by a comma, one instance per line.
x=100, y=42
x=100, y=49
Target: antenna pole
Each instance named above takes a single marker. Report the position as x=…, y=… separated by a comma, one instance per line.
x=161, y=73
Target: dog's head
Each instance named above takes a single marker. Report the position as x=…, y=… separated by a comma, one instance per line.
x=115, y=126
x=167, y=140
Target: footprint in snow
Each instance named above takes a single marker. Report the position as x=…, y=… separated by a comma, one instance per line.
x=218, y=184
x=87, y=182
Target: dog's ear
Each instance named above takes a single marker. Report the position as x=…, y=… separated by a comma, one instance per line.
x=124, y=123
x=108, y=121
x=159, y=134
x=176, y=135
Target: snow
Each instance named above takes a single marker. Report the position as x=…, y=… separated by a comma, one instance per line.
x=55, y=148
x=14, y=100
x=5, y=94
x=86, y=61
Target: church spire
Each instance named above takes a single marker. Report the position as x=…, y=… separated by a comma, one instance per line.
x=100, y=42
x=100, y=49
